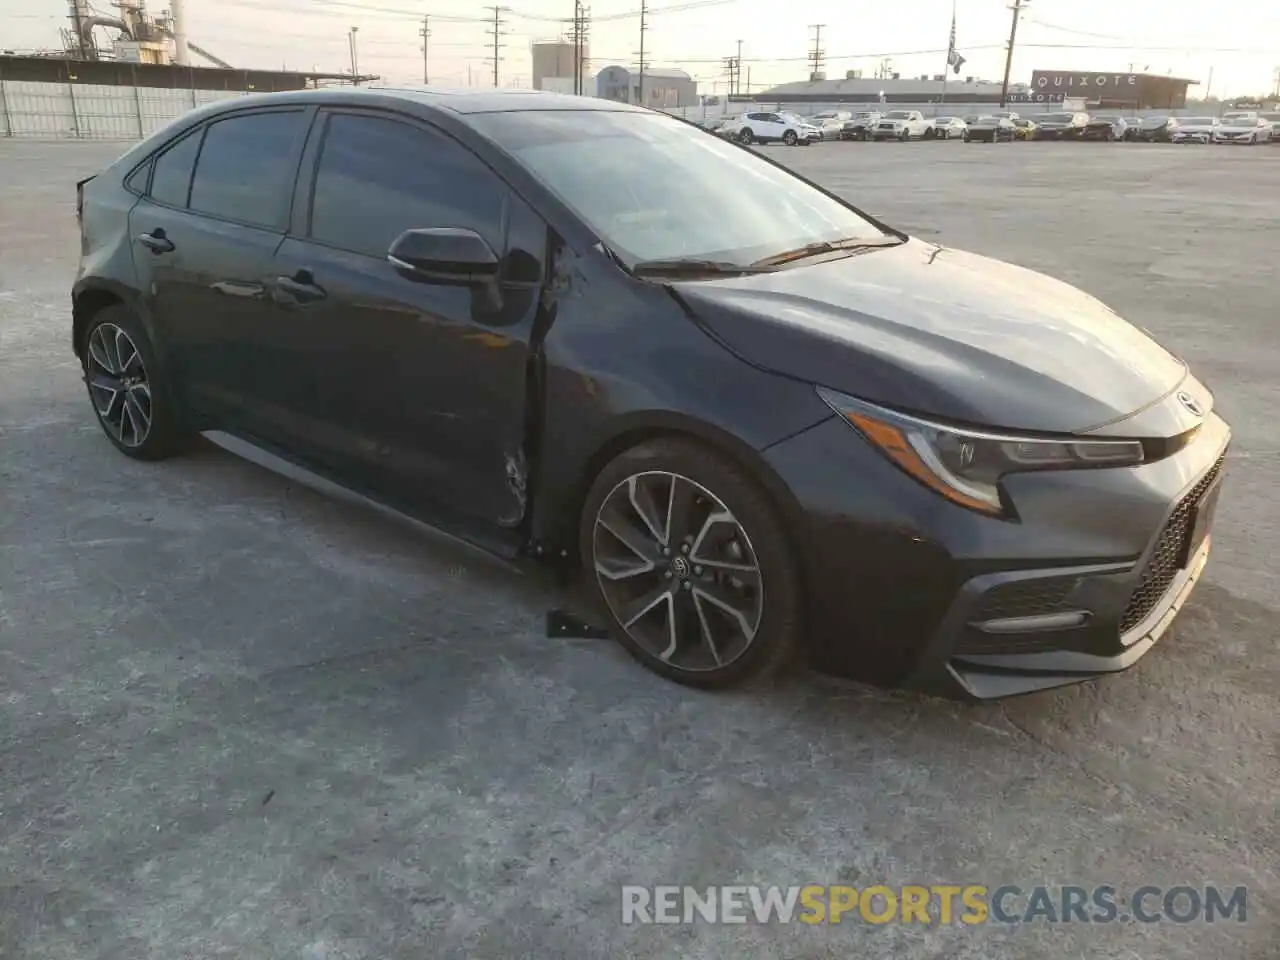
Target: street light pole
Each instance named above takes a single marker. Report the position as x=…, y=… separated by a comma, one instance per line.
x=355, y=71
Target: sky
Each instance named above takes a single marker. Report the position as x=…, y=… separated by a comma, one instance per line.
x=1237, y=42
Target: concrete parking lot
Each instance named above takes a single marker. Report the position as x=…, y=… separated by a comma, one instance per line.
x=242, y=718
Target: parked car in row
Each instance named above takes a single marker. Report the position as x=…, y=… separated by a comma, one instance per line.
x=946, y=128
x=772, y=128
x=1105, y=128
x=902, y=125
x=1195, y=130
x=1274, y=120
x=1248, y=130
x=1065, y=125
x=1023, y=129
x=859, y=127
x=830, y=122
x=990, y=130
x=1157, y=130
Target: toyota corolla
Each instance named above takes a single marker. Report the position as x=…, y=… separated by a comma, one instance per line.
x=762, y=423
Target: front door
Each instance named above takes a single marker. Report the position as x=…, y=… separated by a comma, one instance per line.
x=418, y=390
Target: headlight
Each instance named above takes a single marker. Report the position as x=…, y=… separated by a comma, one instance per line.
x=966, y=465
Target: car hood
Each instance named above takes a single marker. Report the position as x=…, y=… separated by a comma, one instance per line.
x=941, y=332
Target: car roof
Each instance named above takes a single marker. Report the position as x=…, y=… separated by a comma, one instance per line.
x=461, y=100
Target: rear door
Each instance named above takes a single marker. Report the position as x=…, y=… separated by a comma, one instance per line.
x=418, y=390
x=205, y=235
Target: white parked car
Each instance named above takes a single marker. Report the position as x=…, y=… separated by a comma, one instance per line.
x=944, y=128
x=1243, y=130
x=1195, y=130
x=771, y=128
x=901, y=125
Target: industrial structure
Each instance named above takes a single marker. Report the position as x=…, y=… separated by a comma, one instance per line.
x=553, y=59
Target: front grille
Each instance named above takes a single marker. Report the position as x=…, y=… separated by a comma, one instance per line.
x=1025, y=598
x=976, y=643
x=1162, y=568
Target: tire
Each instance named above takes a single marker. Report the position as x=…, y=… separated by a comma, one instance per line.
x=930, y=133
x=790, y=138
x=745, y=137
x=964, y=137
x=904, y=136
x=863, y=136
x=749, y=647
x=118, y=353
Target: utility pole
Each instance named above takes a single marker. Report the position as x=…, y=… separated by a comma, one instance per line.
x=496, y=43
x=425, y=33
x=1008, y=60
x=644, y=26
x=737, y=71
x=817, y=53
x=575, y=41
x=355, y=71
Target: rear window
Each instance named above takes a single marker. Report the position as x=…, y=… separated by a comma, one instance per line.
x=246, y=168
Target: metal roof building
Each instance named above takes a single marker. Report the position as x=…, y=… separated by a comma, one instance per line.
x=890, y=90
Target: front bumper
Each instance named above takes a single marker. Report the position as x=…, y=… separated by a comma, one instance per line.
x=906, y=589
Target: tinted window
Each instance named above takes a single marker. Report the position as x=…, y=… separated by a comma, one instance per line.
x=137, y=181
x=246, y=168
x=654, y=189
x=172, y=178
x=378, y=178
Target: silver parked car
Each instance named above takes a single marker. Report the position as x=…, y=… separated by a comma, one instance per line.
x=945, y=128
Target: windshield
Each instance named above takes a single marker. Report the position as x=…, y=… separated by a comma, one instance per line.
x=1198, y=121
x=656, y=189
x=1155, y=121
x=1050, y=118
x=1241, y=122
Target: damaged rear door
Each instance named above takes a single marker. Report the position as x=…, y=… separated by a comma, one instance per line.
x=416, y=389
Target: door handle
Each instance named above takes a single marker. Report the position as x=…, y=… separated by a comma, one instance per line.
x=234, y=288
x=300, y=288
x=156, y=241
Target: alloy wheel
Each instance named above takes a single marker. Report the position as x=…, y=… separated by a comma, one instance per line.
x=118, y=385
x=678, y=571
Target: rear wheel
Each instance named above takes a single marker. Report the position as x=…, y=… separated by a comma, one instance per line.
x=127, y=388
x=690, y=561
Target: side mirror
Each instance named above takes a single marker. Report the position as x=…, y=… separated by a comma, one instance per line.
x=452, y=255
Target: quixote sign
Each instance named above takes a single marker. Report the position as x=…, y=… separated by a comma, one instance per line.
x=1121, y=86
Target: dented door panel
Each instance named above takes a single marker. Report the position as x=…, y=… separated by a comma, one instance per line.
x=627, y=358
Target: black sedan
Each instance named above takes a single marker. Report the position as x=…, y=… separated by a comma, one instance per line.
x=763, y=423
x=990, y=130
x=1157, y=130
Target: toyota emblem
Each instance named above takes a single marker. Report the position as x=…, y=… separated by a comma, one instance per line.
x=1191, y=403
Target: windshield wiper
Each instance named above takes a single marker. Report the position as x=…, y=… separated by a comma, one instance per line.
x=826, y=246
x=678, y=267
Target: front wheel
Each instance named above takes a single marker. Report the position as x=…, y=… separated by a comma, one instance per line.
x=127, y=388
x=790, y=138
x=903, y=136
x=744, y=137
x=691, y=562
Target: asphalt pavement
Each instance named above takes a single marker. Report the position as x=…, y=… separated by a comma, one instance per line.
x=240, y=717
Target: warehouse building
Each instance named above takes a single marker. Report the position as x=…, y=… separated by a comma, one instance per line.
x=1120, y=90
x=892, y=90
x=663, y=89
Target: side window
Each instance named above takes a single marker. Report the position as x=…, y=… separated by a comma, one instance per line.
x=246, y=168
x=137, y=181
x=377, y=178
x=171, y=181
